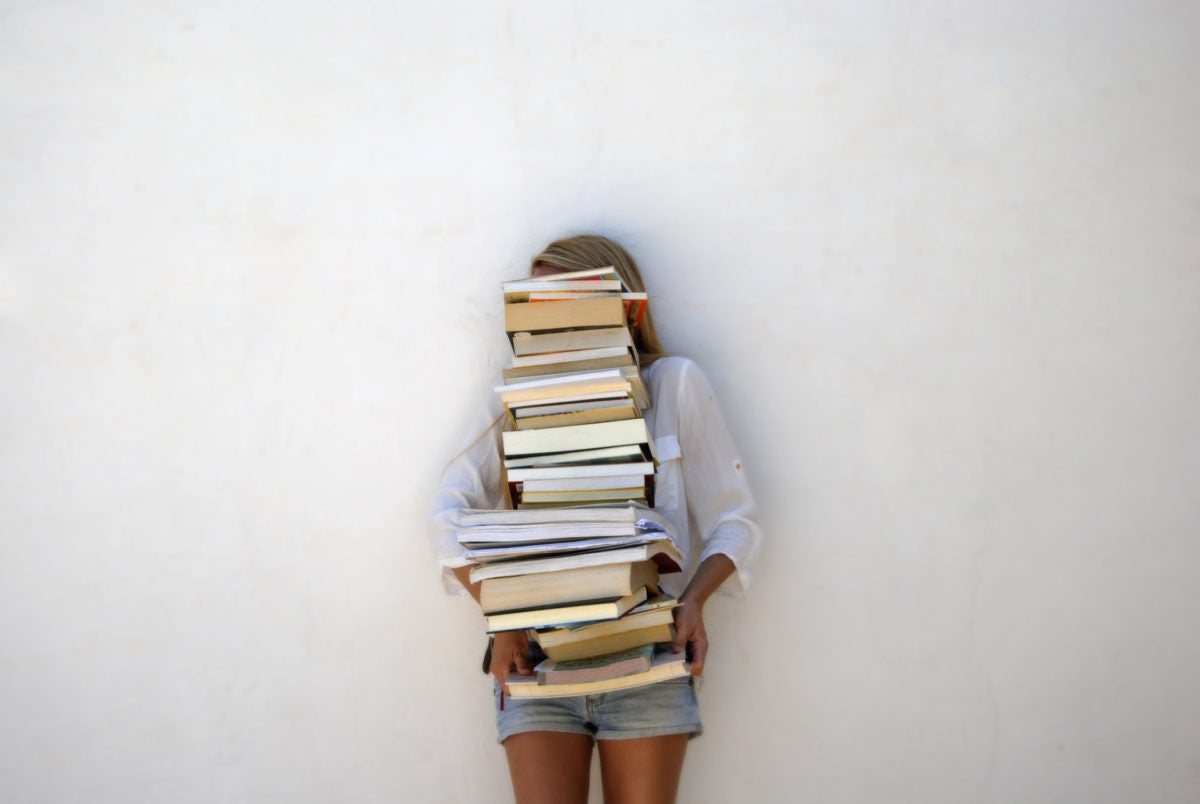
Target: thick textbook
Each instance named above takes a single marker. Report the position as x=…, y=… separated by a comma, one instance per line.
x=635, y=302
x=603, y=311
x=564, y=586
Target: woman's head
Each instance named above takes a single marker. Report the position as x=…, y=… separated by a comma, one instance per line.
x=593, y=251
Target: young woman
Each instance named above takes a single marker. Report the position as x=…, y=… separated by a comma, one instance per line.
x=642, y=734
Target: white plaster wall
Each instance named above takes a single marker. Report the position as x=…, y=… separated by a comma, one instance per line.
x=941, y=261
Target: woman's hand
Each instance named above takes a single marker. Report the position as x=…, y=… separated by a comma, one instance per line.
x=510, y=651
x=689, y=617
x=690, y=634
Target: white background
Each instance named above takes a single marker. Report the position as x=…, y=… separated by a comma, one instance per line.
x=940, y=260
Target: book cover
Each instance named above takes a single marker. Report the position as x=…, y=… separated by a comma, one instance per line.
x=596, y=668
x=563, y=587
x=577, y=437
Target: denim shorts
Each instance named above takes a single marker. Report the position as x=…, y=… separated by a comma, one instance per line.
x=668, y=707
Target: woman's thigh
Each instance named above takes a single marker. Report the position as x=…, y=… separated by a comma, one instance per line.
x=644, y=769
x=549, y=766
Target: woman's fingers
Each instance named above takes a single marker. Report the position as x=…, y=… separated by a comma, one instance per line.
x=699, y=649
x=509, y=653
x=691, y=636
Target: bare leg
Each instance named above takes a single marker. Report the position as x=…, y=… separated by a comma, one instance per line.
x=549, y=767
x=642, y=771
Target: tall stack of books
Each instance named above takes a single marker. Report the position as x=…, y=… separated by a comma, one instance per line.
x=575, y=393
x=578, y=558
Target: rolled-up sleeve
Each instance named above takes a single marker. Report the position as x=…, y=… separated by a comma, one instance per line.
x=471, y=480
x=718, y=492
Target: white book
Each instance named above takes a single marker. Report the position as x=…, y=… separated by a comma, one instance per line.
x=597, y=470
x=541, y=499
x=631, y=513
x=597, y=284
x=556, y=295
x=664, y=553
x=607, y=272
x=622, y=454
x=550, y=358
x=577, y=437
x=552, y=526
x=485, y=539
x=511, y=554
x=568, y=484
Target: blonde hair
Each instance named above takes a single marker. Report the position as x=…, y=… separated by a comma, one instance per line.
x=594, y=251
